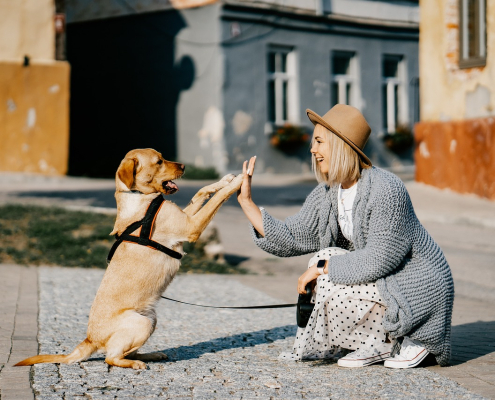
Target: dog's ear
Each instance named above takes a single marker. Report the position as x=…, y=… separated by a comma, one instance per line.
x=125, y=173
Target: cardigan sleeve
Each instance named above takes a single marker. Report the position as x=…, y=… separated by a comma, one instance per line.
x=387, y=244
x=296, y=235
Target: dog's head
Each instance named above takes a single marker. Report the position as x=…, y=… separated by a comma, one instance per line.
x=147, y=171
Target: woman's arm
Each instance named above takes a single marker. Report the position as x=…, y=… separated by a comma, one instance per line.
x=296, y=235
x=244, y=198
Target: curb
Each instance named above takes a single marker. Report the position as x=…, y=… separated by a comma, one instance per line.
x=19, y=329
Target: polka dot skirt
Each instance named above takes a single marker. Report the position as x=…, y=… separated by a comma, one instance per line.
x=347, y=317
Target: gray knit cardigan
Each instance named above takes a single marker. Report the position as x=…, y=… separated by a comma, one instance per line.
x=392, y=248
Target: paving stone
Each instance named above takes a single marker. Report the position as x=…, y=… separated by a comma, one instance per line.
x=212, y=353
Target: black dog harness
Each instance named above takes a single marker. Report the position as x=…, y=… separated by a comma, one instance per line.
x=146, y=225
x=144, y=238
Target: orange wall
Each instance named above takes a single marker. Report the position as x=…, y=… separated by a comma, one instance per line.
x=34, y=117
x=459, y=155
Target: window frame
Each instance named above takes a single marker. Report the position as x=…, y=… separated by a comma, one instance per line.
x=342, y=80
x=480, y=39
x=290, y=77
x=391, y=123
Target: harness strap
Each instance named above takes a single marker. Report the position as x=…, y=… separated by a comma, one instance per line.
x=150, y=243
x=144, y=238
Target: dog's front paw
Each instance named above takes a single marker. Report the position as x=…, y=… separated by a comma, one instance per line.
x=227, y=178
x=237, y=181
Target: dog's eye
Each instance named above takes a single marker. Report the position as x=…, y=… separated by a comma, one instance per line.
x=159, y=162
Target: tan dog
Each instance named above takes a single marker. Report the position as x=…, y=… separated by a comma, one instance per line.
x=123, y=316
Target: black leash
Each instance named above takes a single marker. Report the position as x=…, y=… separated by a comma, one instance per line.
x=234, y=308
x=146, y=225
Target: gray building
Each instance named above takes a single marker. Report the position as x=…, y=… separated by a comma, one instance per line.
x=208, y=85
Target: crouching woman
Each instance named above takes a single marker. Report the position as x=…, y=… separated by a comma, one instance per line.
x=384, y=290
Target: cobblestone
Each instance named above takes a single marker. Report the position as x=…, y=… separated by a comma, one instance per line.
x=212, y=353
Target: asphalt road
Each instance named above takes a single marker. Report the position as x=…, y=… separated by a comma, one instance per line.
x=265, y=196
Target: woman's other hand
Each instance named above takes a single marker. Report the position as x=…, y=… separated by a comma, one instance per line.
x=244, y=198
x=310, y=275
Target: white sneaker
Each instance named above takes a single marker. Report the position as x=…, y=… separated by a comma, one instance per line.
x=366, y=356
x=411, y=354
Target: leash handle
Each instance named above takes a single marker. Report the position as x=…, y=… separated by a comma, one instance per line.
x=232, y=308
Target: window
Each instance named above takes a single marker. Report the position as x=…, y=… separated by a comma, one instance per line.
x=282, y=86
x=394, y=95
x=472, y=33
x=344, y=78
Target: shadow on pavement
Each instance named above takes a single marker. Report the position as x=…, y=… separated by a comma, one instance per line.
x=471, y=341
x=247, y=339
x=234, y=259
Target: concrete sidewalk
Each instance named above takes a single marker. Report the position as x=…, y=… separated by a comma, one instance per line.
x=213, y=354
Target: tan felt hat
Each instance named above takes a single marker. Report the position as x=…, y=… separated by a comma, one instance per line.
x=348, y=124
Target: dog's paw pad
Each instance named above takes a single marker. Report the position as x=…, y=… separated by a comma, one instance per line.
x=228, y=178
x=238, y=179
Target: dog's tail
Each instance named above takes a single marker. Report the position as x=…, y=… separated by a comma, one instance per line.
x=80, y=353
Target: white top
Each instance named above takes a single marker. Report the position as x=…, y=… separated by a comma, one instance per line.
x=346, y=201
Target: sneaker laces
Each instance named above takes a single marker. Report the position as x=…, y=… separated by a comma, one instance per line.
x=365, y=352
x=409, y=349
x=360, y=353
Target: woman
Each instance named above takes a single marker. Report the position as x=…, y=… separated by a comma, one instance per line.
x=384, y=288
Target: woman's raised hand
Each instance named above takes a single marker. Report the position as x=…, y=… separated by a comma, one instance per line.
x=244, y=198
x=244, y=193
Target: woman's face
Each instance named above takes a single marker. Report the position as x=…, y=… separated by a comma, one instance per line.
x=320, y=150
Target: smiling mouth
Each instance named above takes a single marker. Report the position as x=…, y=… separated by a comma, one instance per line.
x=170, y=187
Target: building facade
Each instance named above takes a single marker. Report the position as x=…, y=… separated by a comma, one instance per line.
x=209, y=85
x=456, y=135
x=34, y=90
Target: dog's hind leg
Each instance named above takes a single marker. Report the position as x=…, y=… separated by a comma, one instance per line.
x=205, y=193
x=132, y=332
x=119, y=361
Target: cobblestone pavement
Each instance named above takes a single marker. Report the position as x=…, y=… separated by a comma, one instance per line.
x=212, y=353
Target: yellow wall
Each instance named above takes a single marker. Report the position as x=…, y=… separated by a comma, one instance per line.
x=447, y=92
x=34, y=117
x=27, y=28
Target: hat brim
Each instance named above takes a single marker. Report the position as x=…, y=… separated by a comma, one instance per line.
x=316, y=119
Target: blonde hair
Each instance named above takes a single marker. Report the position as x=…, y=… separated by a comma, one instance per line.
x=344, y=163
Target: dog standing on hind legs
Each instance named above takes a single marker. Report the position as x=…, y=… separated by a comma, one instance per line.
x=122, y=316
